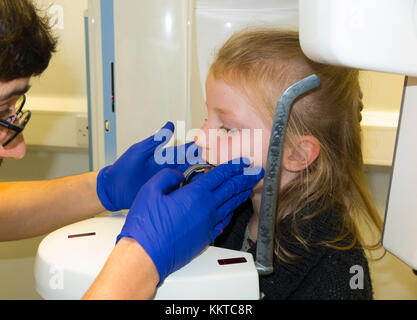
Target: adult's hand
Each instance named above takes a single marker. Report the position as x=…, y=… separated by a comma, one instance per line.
x=118, y=184
x=174, y=225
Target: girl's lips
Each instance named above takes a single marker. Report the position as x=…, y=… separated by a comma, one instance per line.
x=210, y=168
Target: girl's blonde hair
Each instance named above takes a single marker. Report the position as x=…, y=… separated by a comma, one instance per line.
x=262, y=63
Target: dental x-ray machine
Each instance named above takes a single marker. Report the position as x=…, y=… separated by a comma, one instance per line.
x=148, y=61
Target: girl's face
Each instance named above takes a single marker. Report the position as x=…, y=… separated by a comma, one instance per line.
x=233, y=129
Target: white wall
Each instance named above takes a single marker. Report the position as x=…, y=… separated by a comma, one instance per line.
x=65, y=75
x=392, y=279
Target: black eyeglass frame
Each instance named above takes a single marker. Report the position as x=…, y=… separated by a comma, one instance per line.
x=12, y=126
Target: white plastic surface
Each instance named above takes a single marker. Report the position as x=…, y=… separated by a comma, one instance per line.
x=66, y=267
x=400, y=226
x=378, y=35
x=217, y=20
x=204, y=278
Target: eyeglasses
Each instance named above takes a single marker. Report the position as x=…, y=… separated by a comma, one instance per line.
x=16, y=123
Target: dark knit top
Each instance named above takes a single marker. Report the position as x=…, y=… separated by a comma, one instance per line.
x=322, y=273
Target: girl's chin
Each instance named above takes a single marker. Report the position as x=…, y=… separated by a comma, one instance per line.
x=258, y=187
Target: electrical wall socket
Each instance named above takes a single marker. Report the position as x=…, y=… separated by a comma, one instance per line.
x=82, y=131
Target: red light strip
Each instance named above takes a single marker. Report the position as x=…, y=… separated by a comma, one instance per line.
x=223, y=262
x=81, y=235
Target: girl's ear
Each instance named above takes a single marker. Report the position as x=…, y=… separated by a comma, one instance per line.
x=301, y=153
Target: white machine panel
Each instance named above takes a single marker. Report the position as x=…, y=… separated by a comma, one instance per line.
x=400, y=229
x=206, y=279
x=376, y=35
x=69, y=259
x=151, y=67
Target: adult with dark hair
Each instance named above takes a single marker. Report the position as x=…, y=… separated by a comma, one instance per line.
x=150, y=246
x=25, y=40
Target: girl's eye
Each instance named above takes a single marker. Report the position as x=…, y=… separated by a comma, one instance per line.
x=229, y=131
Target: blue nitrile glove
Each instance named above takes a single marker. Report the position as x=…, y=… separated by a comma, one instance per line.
x=118, y=184
x=174, y=225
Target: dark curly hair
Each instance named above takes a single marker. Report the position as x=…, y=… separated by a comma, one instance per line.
x=26, y=40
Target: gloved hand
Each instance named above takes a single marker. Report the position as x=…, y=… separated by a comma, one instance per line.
x=175, y=225
x=118, y=184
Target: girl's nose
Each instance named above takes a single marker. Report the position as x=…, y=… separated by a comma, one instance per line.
x=199, y=139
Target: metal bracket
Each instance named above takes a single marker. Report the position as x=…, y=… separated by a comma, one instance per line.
x=266, y=228
x=189, y=173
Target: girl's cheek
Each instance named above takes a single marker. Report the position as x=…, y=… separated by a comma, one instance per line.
x=259, y=147
x=235, y=146
x=220, y=148
x=240, y=144
x=252, y=147
x=229, y=148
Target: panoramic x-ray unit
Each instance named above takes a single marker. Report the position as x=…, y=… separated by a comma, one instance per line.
x=147, y=63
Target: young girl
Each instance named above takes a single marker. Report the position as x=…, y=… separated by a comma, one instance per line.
x=322, y=193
